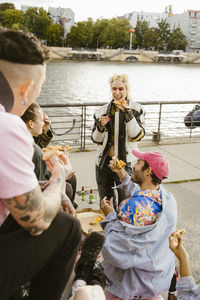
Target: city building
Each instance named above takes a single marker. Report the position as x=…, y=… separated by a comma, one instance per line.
x=152, y=19
x=189, y=22
x=64, y=16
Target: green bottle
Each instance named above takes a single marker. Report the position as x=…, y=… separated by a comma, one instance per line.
x=83, y=193
x=91, y=197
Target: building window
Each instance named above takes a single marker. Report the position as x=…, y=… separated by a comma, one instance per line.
x=141, y=17
x=198, y=15
x=192, y=14
x=138, y=17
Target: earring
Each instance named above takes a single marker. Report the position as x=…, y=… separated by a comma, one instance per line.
x=24, y=102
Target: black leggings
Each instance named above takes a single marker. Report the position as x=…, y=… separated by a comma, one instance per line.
x=46, y=260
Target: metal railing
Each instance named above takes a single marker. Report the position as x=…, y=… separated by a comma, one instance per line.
x=164, y=120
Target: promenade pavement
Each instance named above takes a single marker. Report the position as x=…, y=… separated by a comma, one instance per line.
x=183, y=183
x=184, y=162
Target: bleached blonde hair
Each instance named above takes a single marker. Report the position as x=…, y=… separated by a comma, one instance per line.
x=123, y=78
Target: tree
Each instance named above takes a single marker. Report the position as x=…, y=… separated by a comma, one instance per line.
x=10, y=17
x=163, y=32
x=141, y=34
x=177, y=40
x=6, y=5
x=81, y=35
x=54, y=35
x=37, y=21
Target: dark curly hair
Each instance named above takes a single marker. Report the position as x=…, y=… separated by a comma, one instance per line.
x=154, y=178
x=22, y=47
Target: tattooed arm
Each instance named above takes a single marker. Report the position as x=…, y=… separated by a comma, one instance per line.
x=35, y=210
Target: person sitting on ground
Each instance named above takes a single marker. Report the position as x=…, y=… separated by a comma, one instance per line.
x=90, y=280
x=186, y=288
x=43, y=140
x=136, y=254
x=34, y=120
x=46, y=136
x=38, y=242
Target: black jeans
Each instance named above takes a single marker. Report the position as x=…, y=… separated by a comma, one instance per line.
x=106, y=179
x=46, y=260
x=71, y=188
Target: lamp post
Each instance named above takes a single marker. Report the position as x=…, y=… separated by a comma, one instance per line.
x=131, y=30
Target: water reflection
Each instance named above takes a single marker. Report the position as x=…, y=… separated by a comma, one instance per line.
x=83, y=81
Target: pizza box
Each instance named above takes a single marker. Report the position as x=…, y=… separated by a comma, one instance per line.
x=86, y=216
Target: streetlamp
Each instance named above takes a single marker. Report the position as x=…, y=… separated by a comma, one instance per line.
x=131, y=30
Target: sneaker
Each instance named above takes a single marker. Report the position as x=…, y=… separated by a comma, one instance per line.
x=92, y=246
x=98, y=277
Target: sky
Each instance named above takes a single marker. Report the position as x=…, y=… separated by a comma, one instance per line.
x=95, y=9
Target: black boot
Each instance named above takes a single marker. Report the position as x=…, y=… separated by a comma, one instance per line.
x=97, y=277
x=92, y=246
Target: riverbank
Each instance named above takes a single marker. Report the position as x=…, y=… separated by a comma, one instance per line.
x=60, y=53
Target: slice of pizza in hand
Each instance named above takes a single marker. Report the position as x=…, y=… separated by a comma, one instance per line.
x=119, y=164
x=120, y=103
x=57, y=150
x=179, y=232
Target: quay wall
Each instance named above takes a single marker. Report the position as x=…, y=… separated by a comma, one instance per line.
x=121, y=55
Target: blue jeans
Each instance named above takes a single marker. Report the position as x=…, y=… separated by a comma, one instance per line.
x=106, y=179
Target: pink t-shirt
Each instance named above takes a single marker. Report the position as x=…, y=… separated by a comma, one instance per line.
x=16, y=167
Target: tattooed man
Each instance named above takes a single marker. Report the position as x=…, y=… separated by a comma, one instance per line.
x=38, y=242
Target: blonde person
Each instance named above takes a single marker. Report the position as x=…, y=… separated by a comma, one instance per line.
x=118, y=126
x=186, y=288
x=38, y=243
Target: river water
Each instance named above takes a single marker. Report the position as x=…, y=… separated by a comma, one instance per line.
x=87, y=81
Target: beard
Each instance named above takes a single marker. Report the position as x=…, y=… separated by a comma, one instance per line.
x=137, y=177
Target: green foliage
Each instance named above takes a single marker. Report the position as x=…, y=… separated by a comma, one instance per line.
x=6, y=5
x=10, y=17
x=37, y=21
x=141, y=33
x=163, y=32
x=177, y=40
x=103, y=33
x=54, y=35
x=81, y=35
x=112, y=33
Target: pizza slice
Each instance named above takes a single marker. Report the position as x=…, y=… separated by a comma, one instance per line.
x=120, y=103
x=57, y=150
x=119, y=164
x=179, y=232
x=97, y=220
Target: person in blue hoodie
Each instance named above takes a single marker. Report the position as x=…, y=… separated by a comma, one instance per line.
x=186, y=288
x=136, y=253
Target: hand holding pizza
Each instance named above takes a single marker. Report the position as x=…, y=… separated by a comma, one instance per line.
x=176, y=245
